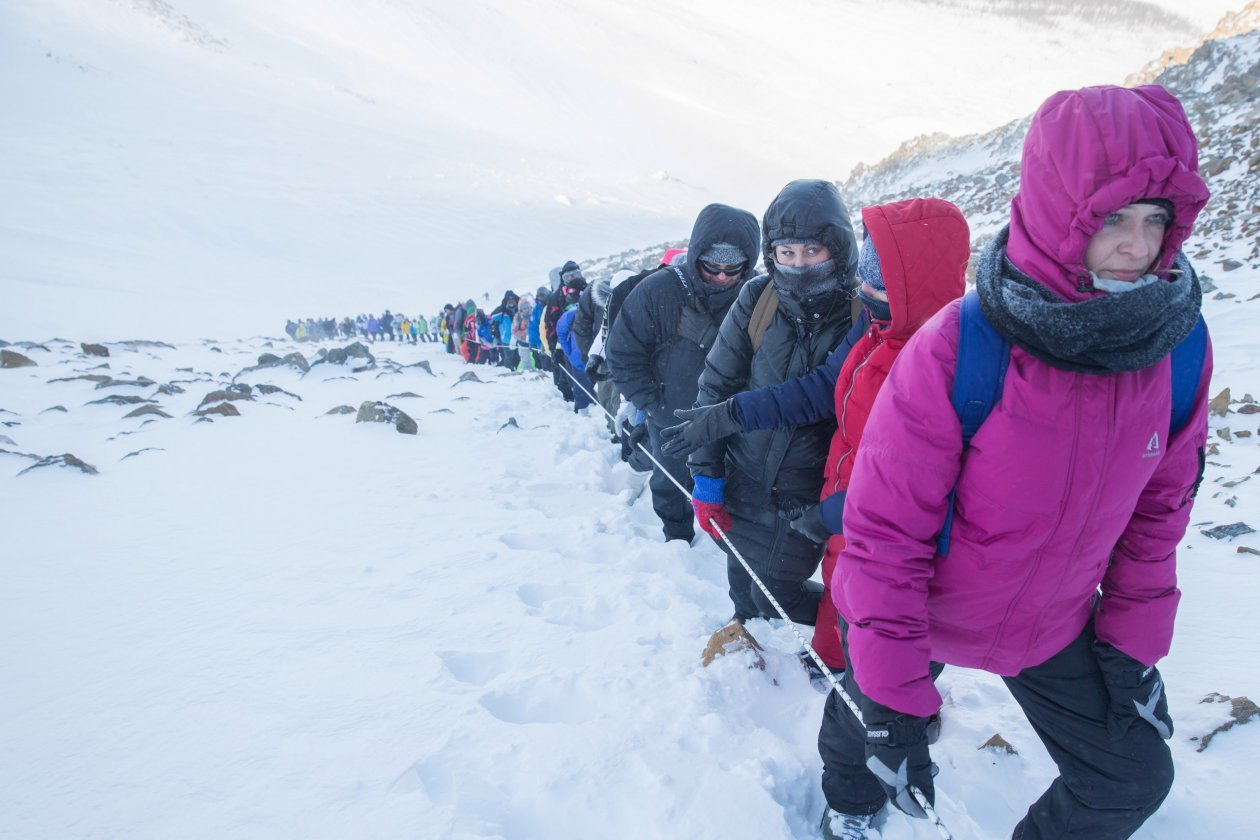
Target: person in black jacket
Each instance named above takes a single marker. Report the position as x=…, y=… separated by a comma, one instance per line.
x=749, y=483
x=666, y=326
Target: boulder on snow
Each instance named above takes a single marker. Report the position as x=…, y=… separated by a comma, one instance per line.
x=268, y=390
x=90, y=377
x=371, y=411
x=224, y=396
x=225, y=409
x=998, y=744
x=341, y=409
x=470, y=376
x=1241, y=711
x=120, y=399
x=355, y=355
x=13, y=359
x=60, y=408
x=64, y=460
x=138, y=382
x=145, y=410
x=170, y=389
x=424, y=365
x=94, y=349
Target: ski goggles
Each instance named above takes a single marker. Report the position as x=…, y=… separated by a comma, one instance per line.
x=729, y=270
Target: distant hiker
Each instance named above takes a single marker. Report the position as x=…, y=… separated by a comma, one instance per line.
x=927, y=245
x=558, y=302
x=782, y=326
x=501, y=321
x=1063, y=517
x=575, y=360
x=657, y=346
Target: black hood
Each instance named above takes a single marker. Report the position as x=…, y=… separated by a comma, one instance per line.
x=720, y=223
x=812, y=209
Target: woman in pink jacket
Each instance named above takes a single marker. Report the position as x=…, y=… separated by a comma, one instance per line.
x=1069, y=501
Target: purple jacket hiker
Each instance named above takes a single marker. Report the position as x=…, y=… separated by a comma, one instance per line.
x=1071, y=483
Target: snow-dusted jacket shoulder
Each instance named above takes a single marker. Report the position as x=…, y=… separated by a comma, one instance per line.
x=1071, y=484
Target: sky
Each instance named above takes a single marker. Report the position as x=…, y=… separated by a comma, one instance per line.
x=198, y=168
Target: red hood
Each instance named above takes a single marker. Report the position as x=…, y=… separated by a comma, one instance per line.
x=1088, y=153
x=923, y=246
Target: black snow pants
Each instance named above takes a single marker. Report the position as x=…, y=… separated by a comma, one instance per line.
x=678, y=521
x=783, y=560
x=1105, y=790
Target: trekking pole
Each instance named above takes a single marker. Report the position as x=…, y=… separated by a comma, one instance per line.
x=918, y=795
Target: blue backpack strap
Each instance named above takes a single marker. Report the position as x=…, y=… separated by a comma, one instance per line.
x=979, y=375
x=1187, y=367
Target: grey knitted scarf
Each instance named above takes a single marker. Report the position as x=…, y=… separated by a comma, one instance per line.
x=1105, y=334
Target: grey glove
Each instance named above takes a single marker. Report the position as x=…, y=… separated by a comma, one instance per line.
x=808, y=522
x=701, y=425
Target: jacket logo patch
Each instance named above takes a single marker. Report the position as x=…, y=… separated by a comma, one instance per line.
x=1152, y=447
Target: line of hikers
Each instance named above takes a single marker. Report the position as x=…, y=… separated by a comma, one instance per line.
x=997, y=480
x=388, y=327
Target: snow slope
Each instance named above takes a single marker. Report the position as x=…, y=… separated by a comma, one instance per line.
x=178, y=168
x=287, y=624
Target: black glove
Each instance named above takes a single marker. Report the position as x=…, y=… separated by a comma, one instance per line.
x=597, y=368
x=808, y=522
x=1135, y=691
x=631, y=436
x=897, y=754
x=701, y=425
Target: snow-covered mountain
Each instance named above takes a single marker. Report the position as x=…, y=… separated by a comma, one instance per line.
x=184, y=167
x=1217, y=84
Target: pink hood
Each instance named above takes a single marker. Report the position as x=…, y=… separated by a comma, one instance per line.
x=1078, y=167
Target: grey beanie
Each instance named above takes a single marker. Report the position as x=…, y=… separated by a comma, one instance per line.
x=868, y=265
x=788, y=241
x=724, y=253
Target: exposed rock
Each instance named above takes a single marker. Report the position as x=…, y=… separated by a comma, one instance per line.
x=1230, y=265
x=90, y=377
x=136, y=344
x=60, y=408
x=138, y=451
x=510, y=424
x=1242, y=549
x=731, y=639
x=139, y=382
x=95, y=349
x=268, y=360
x=341, y=409
x=996, y=743
x=64, y=460
x=147, y=409
x=119, y=399
x=1222, y=532
x=7, y=441
x=405, y=395
x=268, y=390
x=226, y=409
x=170, y=389
x=13, y=359
x=358, y=357
x=26, y=455
x=442, y=411
x=470, y=376
x=1241, y=711
x=1219, y=405
x=31, y=345
x=240, y=388
x=371, y=411
x=423, y=365
x=222, y=396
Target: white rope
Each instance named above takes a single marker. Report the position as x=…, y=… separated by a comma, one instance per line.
x=918, y=795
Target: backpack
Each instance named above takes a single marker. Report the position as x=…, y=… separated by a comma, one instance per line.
x=980, y=373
